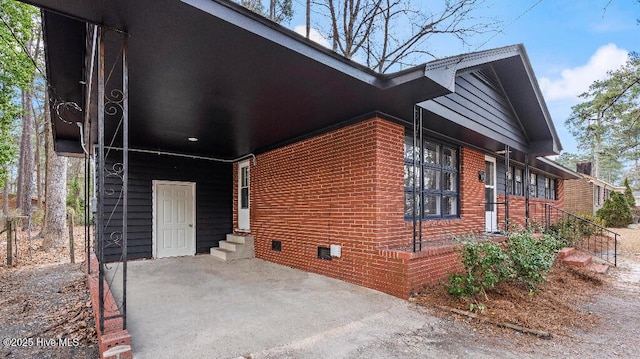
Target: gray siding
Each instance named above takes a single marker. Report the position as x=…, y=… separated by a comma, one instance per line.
x=479, y=102
x=214, y=191
x=500, y=171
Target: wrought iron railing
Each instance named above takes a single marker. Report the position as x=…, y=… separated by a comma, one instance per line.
x=582, y=233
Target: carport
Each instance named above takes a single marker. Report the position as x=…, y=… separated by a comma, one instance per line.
x=200, y=307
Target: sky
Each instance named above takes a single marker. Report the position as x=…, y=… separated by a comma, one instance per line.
x=570, y=44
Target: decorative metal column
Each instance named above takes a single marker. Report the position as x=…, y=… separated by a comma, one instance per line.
x=507, y=155
x=112, y=165
x=417, y=199
x=527, y=191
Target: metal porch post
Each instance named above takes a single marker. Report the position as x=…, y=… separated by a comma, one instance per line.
x=527, y=190
x=100, y=172
x=417, y=180
x=125, y=174
x=113, y=105
x=507, y=154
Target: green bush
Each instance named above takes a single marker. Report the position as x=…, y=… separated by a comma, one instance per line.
x=486, y=264
x=531, y=257
x=616, y=211
x=571, y=230
x=628, y=193
x=523, y=259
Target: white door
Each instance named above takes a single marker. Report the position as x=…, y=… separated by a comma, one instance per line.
x=174, y=219
x=490, y=199
x=244, y=179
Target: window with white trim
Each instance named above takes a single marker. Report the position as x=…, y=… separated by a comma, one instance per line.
x=549, y=188
x=533, y=185
x=518, y=181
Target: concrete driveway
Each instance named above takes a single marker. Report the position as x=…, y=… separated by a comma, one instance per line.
x=201, y=307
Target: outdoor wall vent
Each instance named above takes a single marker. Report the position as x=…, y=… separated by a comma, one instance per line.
x=324, y=253
x=276, y=246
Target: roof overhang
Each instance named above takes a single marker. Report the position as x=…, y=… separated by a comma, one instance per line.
x=240, y=83
x=213, y=70
x=553, y=167
x=512, y=67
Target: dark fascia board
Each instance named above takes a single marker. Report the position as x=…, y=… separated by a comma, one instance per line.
x=444, y=72
x=541, y=148
x=248, y=20
x=558, y=169
x=68, y=148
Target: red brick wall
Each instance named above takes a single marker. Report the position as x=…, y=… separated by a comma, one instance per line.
x=342, y=188
x=471, y=218
x=517, y=207
x=346, y=188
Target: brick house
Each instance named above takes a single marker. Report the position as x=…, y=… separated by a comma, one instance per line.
x=229, y=123
x=587, y=194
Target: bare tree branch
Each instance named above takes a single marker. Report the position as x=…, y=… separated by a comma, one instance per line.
x=388, y=34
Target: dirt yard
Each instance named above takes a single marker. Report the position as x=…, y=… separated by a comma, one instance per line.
x=45, y=310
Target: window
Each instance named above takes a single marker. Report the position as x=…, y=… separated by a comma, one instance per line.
x=518, y=182
x=244, y=187
x=549, y=188
x=509, y=180
x=598, y=195
x=533, y=185
x=436, y=179
x=515, y=181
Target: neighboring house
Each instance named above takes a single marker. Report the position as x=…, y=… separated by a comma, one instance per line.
x=239, y=125
x=586, y=195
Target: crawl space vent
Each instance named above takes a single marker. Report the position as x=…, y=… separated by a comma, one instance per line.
x=276, y=246
x=324, y=253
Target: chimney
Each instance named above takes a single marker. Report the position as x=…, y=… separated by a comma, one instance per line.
x=584, y=168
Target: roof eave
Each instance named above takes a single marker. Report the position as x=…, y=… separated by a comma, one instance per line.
x=562, y=171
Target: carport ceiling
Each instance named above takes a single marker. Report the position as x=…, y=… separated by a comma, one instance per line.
x=213, y=70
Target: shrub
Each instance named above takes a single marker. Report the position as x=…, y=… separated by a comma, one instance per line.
x=616, y=211
x=524, y=259
x=531, y=257
x=486, y=264
x=628, y=193
x=572, y=230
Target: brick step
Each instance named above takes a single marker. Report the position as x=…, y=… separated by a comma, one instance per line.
x=566, y=252
x=598, y=267
x=577, y=260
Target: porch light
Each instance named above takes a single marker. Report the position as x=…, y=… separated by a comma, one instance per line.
x=193, y=139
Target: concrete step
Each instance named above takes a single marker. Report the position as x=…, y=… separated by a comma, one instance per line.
x=578, y=260
x=566, y=252
x=220, y=253
x=235, y=247
x=231, y=246
x=224, y=254
x=238, y=238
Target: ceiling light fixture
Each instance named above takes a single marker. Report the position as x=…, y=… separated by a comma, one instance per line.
x=193, y=139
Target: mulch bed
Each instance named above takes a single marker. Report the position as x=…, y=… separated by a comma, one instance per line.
x=554, y=308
